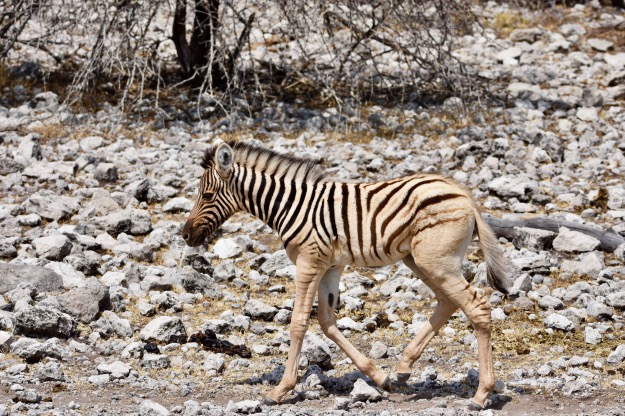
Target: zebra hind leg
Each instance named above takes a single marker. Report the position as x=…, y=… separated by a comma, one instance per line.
x=441, y=315
x=438, y=253
x=328, y=299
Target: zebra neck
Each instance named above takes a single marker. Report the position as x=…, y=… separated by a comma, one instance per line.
x=277, y=200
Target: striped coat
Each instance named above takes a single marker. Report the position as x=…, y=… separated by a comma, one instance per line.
x=425, y=220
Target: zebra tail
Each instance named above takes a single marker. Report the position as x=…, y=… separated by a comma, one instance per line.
x=496, y=268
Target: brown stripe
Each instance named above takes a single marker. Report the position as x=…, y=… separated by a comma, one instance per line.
x=401, y=206
x=344, y=207
x=359, y=229
x=425, y=203
x=371, y=193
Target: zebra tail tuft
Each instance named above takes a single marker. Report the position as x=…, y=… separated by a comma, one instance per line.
x=496, y=267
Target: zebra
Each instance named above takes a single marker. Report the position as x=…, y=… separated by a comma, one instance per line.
x=425, y=220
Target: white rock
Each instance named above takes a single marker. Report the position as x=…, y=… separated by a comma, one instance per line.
x=226, y=248
x=616, y=60
x=116, y=369
x=616, y=197
x=112, y=278
x=178, y=204
x=71, y=277
x=244, y=406
x=348, y=323
x=150, y=408
x=587, y=114
x=363, y=392
x=618, y=355
x=574, y=241
x=601, y=45
x=53, y=247
x=514, y=186
x=592, y=335
x=163, y=328
x=99, y=379
x=557, y=321
x=214, y=362
x=508, y=54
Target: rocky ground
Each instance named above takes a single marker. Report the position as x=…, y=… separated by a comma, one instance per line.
x=101, y=303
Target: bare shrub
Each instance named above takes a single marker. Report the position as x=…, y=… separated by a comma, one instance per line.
x=329, y=50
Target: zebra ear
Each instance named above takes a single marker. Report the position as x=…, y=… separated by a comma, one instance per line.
x=224, y=158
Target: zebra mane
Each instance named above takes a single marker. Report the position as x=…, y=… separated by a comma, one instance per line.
x=251, y=155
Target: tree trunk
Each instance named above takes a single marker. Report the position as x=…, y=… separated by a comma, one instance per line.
x=200, y=59
x=609, y=239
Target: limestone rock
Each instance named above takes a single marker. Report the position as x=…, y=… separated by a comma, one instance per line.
x=163, y=329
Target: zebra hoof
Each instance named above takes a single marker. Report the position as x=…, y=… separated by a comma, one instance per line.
x=387, y=385
x=474, y=407
x=268, y=401
x=403, y=377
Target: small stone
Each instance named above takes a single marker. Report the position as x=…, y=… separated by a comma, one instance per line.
x=316, y=351
x=116, y=369
x=226, y=248
x=178, y=205
x=341, y=403
x=163, y=329
x=363, y=392
x=99, y=379
x=599, y=311
x=550, y=302
x=557, y=321
x=155, y=361
x=533, y=239
x=54, y=247
x=514, y=186
x=214, y=362
x=544, y=370
x=135, y=250
x=509, y=54
x=259, y=310
x=245, y=406
x=378, y=350
x=530, y=35
x=51, y=371
x=150, y=408
x=28, y=396
x=106, y=172
x=110, y=324
x=601, y=45
x=42, y=321
x=618, y=355
x=592, y=335
x=86, y=302
x=498, y=314
x=574, y=241
x=588, y=114
x=616, y=300
x=50, y=205
x=589, y=265
x=196, y=282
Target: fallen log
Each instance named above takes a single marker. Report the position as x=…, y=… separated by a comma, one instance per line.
x=609, y=239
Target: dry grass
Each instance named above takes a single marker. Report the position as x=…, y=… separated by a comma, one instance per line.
x=504, y=23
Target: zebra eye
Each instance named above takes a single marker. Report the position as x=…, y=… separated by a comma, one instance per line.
x=208, y=195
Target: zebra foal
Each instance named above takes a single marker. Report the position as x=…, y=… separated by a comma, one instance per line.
x=427, y=221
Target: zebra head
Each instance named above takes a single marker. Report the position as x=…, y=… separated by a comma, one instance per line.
x=215, y=201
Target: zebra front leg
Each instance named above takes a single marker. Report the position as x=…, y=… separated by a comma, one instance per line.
x=328, y=299
x=306, y=282
x=441, y=315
